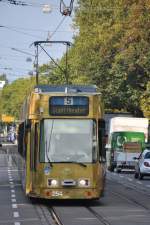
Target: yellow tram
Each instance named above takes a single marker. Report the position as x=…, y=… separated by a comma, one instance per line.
x=61, y=143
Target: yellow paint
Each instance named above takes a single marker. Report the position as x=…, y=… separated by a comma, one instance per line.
x=36, y=108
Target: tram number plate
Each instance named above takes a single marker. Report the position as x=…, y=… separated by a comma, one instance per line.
x=57, y=193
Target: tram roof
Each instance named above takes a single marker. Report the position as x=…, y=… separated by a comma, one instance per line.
x=66, y=88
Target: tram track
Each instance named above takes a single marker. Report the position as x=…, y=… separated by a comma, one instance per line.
x=131, y=198
x=58, y=212
x=101, y=220
x=55, y=216
x=99, y=216
x=133, y=186
x=45, y=214
x=95, y=215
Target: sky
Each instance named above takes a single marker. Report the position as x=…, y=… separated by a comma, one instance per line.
x=20, y=26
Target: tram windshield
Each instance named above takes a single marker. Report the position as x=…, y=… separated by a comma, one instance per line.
x=68, y=140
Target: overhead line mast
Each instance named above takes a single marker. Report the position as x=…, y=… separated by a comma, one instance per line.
x=37, y=44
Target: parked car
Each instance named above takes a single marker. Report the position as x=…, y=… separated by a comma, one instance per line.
x=142, y=167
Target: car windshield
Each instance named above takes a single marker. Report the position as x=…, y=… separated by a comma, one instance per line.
x=67, y=140
x=147, y=155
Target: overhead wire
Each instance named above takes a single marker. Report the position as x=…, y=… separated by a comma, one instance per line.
x=16, y=68
x=27, y=3
x=57, y=27
x=32, y=29
x=18, y=31
x=96, y=7
x=52, y=34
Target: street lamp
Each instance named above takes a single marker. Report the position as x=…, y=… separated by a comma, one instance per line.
x=28, y=59
x=18, y=50
x=47, y=8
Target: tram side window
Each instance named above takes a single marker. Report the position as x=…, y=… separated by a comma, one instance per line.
x=21, y=138
x=36, y=141
x=101, y=131
x=42, y=142
x=34, y=146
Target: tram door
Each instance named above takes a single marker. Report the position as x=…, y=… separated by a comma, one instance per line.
x=34, y=144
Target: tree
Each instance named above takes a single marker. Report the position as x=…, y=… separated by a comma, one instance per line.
x=145, y=101
x=14, y=94
x=112, y=50
x=4, y=77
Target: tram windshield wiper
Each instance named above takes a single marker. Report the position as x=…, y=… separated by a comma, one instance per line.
x=47, y=150
x=80, y=163
x=48, y=147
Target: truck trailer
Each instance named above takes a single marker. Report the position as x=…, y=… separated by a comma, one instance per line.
x=127, y=137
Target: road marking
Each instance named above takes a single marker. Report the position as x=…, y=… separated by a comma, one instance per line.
x=13, y=191
x=14, y=206
x=130, y=179
x=11, y=182
x=16, y=223
x=13, y=200
x=138, y=182
x=16, y=214
x=13, y=196
x=121, y=176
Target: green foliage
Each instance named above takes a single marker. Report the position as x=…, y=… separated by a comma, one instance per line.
x=13, y=96
x=145, y=101
x=52, y=74
x=112, y=50
x=4, y=77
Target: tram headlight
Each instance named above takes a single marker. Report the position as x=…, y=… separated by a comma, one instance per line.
x=52, y=182
x=83, y=182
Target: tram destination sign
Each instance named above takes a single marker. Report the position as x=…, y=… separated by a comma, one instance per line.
x=69, y=106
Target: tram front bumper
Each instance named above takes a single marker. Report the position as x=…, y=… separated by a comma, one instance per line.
x=88, y=193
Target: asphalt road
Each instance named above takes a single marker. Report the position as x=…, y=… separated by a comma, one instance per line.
x=126, y=201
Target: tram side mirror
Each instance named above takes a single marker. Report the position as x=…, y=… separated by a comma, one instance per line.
x=102, y=139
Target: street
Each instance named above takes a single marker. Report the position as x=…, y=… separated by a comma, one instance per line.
x=126, y=201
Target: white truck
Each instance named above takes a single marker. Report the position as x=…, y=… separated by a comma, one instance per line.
x=127, y=137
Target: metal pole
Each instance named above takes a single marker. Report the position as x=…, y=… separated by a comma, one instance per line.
x=37, y=65
x=66, y=72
